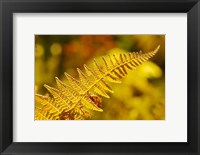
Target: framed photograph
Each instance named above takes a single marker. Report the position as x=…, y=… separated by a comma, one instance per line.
x=106, y=77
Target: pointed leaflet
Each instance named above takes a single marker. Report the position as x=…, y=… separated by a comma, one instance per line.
x=97, y=87
x=68, y=91
x=76, y=84
x=62, y=102
x=48, y=104
x=100, y=73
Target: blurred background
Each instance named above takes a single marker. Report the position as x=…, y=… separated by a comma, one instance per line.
x=140, y=96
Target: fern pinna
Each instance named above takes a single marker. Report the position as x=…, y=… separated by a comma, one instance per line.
x=70, y=102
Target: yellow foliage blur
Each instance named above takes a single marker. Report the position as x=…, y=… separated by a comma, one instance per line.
x=140, y=96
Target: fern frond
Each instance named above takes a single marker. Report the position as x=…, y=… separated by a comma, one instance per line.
x=115, y=69
x=69, y=102
x=77, y=97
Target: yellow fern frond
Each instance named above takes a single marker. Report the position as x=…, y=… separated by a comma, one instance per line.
x=69, y=101
x=114, y=70
x=77, y=97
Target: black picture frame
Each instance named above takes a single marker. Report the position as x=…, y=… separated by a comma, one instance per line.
x=8, y=7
